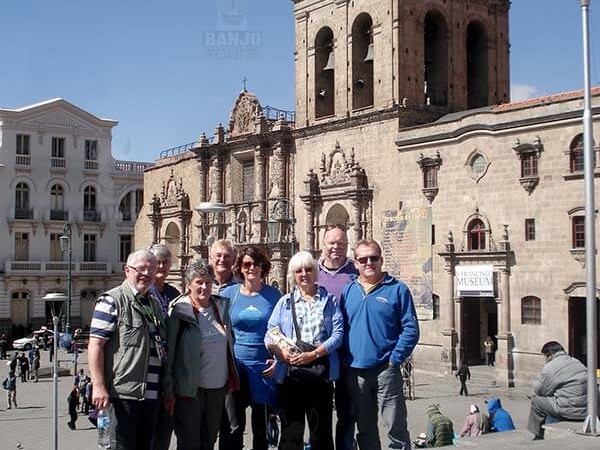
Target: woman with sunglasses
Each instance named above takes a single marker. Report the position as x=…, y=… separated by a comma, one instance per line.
x=310, y=321
x=250, y=306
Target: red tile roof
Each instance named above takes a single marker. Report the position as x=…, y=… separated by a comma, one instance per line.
x=545, y=100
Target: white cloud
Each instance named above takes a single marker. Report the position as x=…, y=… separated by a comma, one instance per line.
x=523, y=92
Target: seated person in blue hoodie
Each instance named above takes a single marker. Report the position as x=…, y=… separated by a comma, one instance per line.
x=500, y=419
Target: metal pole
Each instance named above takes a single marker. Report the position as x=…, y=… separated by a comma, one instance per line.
x=55, y=384
x=68, y=233
x=591, y=423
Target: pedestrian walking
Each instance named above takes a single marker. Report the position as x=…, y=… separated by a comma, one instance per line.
x=23, y=367
x=73, y=402
x=463, y=374
x=3, y=345
x=10, y=385
x=35, y=363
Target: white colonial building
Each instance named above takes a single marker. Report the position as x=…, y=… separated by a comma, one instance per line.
x=56, y=168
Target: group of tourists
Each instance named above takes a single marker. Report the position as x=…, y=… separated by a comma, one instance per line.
x=193, y=364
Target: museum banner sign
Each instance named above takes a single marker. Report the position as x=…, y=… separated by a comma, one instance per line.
x=474, y=281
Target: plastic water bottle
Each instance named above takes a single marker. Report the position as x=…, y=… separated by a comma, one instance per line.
x=103, y=429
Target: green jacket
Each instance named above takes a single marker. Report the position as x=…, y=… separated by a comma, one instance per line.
x=183, y=339
x=127, y=352
x=440, y=431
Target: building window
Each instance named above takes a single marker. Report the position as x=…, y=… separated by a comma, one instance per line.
x=324, y=73
x=125, y=208
x=22, y=210
x=55, y=252
x=89, y=205
x=576, y=157
x=435, y=300
x=362, y=62
x=248, y=181
x=23, y=155
x=91, y=155
x=125, y=246
x=139, y=200
x=58, y=147
x=21, y=246
x=58, y=153
x=578, y=231
x=476, y=235
x=529, y=167
x=89, y=247
x=530, y=229
x=531, y=310
x=478, y=164
x=430, y=166
x=23, y=144
x=436, y=59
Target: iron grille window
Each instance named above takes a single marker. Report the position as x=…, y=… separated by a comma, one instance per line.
x=531, y=311
x=578, y=231
x=530, y=229
x=22, y=197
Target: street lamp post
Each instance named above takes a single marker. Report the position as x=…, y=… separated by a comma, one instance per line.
x=67, y=247
x=55, y=300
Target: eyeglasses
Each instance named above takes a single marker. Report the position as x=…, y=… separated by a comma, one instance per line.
x=143, y=270
x=304, y=269
x=248, y=264
x=370, y=259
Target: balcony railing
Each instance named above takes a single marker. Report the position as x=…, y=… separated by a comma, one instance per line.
x=59, y=214
x=23, y=160
x=90, y=164
x=131, y=166
x=57, y=267
x=92, y=216
x=58, y=163
x=21, y=213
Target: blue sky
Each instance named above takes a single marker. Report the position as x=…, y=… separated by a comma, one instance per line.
x=148, y=63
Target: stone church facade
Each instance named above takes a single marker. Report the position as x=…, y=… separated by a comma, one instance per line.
x=404, y=132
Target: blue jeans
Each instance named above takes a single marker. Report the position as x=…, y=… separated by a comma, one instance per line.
x=374, y=390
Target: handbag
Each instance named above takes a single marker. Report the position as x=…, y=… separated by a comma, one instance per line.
x=314, y=371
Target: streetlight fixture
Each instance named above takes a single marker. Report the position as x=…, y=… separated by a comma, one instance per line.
x=281, y=212
x=67, y=247
x=55, y=300
x=209, y=207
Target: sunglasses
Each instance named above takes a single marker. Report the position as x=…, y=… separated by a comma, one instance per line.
x=370, y=259
x=304, y=269
x=249, y=264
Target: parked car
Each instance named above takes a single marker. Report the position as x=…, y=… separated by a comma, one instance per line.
x=35, y=338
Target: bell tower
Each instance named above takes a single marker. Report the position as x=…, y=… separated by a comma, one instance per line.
x=355, y=57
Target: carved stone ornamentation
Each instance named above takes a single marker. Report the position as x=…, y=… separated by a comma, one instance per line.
x=245, y=112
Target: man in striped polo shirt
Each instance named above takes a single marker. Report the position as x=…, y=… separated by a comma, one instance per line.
x=125, y=354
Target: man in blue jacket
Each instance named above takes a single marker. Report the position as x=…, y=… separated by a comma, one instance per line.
x=381, y=331
x=500, y=419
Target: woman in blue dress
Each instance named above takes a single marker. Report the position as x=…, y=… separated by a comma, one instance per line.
x=250, y=306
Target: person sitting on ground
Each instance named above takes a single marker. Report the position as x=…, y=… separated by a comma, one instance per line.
x=476, y=423
x=560, y=389
x=440, y=431
x=500, y=419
